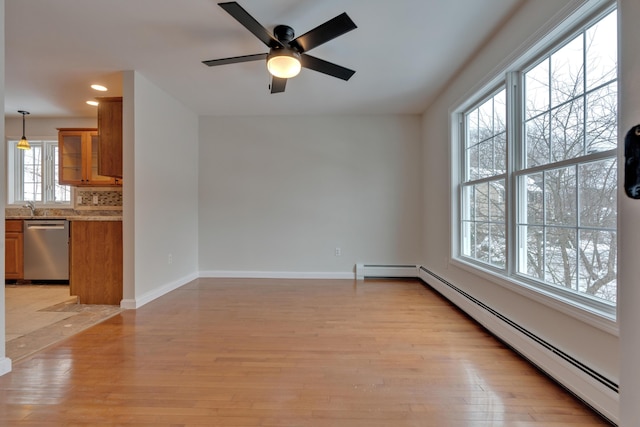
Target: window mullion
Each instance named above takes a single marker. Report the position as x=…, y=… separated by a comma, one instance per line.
x=514, y=154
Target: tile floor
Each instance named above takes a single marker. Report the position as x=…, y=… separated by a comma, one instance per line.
x=40, y=315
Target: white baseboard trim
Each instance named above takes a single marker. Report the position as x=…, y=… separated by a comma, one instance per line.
x=381, y=270
x=595, y=390
x=5, y=366
x=139, y=301
x=275, y=274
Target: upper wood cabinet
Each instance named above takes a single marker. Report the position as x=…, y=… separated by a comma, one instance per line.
x=78, y=158
x=110, y=136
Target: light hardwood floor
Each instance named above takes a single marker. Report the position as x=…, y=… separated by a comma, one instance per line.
x=235, y=352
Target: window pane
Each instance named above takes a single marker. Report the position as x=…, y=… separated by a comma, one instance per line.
x=468, y=238
x=602, y=114
x=472, y=128
x=535, y=198
x=597, y=275
x=485, y=119
x=500, y=153
x=498, y=245
x=537, y=141
x=567, y=131
x=561, y=257
x=560, y=196
x=537, y=90
x=598, y=194
x=567, y=72
x=32, y=173
x=497, y=201
x=602, y=52
x=486, y=159
x=534, y=263
x=482, y=242
x=473, y=163
x=482, y=202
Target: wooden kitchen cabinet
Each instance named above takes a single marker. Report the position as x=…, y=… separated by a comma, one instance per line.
x=110, y=136
x=78, y=158
x=95, y=261
x=13, y=250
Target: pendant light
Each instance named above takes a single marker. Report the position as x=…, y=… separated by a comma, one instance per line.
x=23, y=144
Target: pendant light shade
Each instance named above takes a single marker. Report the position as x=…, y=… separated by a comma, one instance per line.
x=23, y=144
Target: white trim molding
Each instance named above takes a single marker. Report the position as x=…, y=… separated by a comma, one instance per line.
x=139, y=301
x=5, y=366
x=275, y=274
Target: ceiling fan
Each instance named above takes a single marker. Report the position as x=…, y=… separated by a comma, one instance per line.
x=287, y=54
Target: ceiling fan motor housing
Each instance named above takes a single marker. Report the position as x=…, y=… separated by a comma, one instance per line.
x=284, y=33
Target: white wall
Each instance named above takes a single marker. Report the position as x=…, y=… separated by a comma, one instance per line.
x=279, y=194
x=629, y=215
x=45, y=128
x=592, y=346
x=160, y=199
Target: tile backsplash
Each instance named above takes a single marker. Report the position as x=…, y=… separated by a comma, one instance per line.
x=94, y=198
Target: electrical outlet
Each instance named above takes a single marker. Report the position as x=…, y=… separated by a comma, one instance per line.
x=95, y=199
x=338, y=252
x=170, y=259
x=78, y=200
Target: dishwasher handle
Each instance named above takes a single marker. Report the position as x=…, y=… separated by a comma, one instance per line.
x=45, y=226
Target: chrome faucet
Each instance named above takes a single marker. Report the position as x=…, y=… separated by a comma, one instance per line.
x=31, y=206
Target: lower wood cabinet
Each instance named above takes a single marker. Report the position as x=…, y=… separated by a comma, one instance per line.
x=13, y=250
x=95, y=261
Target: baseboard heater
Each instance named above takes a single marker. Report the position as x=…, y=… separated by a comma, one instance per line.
x=383, y=271
x=611, y=385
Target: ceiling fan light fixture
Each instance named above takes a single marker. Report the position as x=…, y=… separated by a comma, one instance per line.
x=283, y=63
x=23, y=144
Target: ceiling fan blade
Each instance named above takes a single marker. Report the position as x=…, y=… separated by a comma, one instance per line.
x=322, y=66
x=249, y=22
x=278, y=84
x=323, y=33
x=235, y=59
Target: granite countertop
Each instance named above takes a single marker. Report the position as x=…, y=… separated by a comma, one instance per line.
x=68, y=214
x=70, y=218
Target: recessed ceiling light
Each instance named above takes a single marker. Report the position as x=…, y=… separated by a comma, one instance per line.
x=99, y=87
x=94, y=103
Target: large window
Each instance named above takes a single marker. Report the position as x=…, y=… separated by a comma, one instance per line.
x=33, y=174
x=538, y=197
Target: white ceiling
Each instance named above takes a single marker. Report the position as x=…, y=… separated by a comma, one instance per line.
x=403, y=51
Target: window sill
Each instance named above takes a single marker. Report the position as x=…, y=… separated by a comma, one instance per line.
x=583, y=313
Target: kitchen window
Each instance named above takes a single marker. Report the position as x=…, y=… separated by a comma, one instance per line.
x=32, y=175
x=536, y=169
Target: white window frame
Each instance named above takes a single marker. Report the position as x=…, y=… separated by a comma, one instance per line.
x=49, y=174
x=590, y=310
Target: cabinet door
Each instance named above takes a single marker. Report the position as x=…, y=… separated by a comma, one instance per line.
x=13, y=250
x=95, y=261
x=94, y=177
x=70, y=162
x=110, y=136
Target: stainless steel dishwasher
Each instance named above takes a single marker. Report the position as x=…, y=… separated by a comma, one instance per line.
x=46, y=249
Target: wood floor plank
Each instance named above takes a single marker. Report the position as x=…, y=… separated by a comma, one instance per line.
x=238, y=352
